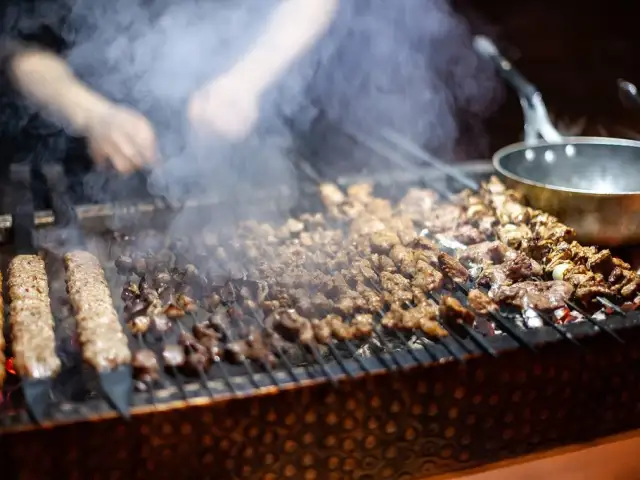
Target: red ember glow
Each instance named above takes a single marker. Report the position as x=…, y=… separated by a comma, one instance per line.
x=9, y=366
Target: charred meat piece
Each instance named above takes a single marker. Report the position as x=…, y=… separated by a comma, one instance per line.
x=160, y=322
x=139, y=266
x=466, y=235
x=124, y=265
x=173, y=311
x=422, y=317
x=427, y=279
x=393, y=318
x=382, y=241
x=515, y=268
x=542, y=296
x=201, y=331
x=483, y=253
x=418, y=203
x=331, y=196
x=130, y=292
x=514, y=236
x=173, y=356
x=392, y=282
x=139, y=325
x=339, y=329
x=321, y=331
x=236, y=351
x=197, y=361
x=186, y=303
x=145, y=365
x=480, y=302
x=362, y=325
x=259, y=347
x=452, y=268
x=452, y=313
x=213, y=346
x=444, y=218
x=291, y=326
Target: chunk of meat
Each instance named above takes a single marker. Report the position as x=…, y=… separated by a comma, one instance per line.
x=514, y=236
x=483, y=253
x=480, y=302
x=453, y=313
x=541, y=296
x=452, y=268
x=515, y=268
x=383, y=240
x=417, y=203
x=444, y=218
x=427, y=279
x=466, y=235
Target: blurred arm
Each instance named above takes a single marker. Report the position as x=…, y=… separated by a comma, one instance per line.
x=292, y=30
x=47, y=82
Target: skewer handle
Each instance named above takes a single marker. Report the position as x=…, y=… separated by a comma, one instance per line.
x=22, y=208
x=64, y=211
x=628, y=93
x=487, y=49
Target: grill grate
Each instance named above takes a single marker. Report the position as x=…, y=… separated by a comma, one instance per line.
x=385, y=351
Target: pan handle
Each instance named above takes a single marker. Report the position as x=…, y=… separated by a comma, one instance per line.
x=628, y=93
x=536, y=117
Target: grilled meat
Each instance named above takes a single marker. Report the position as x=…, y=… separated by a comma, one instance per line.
x=320, y=280
x=145, y=365
x=31, y=319
x=480, y=302
x=453, y=313
x=541, y=296
x=452, y=268
x=104, y=345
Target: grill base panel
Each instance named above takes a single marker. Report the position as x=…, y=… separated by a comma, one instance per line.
x=425, y=421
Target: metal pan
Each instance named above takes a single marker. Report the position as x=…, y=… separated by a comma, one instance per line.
x=590, y=183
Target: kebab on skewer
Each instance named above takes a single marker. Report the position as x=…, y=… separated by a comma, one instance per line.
x=104, y=344
x=31, y=319
x=592, y=272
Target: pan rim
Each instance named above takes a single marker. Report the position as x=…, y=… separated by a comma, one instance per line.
x=519, y=146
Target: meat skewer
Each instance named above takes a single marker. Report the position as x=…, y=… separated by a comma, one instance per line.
x=31, y=319
x=104, y=344
x=594, y=273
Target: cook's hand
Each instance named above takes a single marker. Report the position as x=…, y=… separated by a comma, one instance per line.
x=227, y=107
x=121, y=136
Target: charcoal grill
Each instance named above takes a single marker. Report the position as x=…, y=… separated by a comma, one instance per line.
x=400, y=411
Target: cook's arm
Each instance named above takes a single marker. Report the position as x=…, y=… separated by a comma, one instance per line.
x=47, y=82
x=292, y=29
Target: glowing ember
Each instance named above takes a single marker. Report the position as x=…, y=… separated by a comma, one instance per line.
x=9, y=366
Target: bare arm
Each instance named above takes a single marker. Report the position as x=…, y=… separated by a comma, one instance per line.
x=47, y=82
x=292, y=29
x=115, y=134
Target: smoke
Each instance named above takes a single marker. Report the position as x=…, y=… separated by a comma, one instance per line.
x=405, y=65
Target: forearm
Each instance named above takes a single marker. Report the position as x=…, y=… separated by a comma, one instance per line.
x=46, y=81
x=293, y=28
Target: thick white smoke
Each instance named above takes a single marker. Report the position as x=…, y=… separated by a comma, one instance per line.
x=404, y=64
